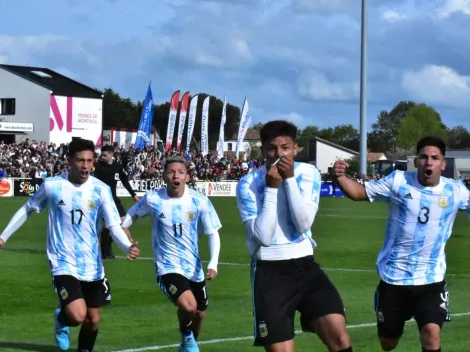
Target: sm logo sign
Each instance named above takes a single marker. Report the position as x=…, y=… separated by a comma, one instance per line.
x=58, y=120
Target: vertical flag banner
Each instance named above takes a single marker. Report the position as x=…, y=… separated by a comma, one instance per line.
x=182, y=120
x=245, y=121
x=220, y=144
x=205, y=127
x=146, y=119
x=175, y=99
x=191, y=120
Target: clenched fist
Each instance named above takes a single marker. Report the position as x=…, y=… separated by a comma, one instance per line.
x=273, y=178
x=339, y=168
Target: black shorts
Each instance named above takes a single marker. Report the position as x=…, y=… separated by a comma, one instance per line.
x=282, y=287
x=69, y=289
x=173, y=285
x=120, y=207
x=395, y=304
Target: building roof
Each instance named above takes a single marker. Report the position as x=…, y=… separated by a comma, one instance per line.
x=373, y=157
x=55, y=82
x=334, y=145
x=251, y=135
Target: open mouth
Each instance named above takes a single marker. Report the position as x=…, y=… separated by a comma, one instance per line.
x=84, y=173
x=428, y=173
x=176, y=184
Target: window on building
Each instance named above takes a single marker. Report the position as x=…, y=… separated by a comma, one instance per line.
x=7, y=106
x=229, y=147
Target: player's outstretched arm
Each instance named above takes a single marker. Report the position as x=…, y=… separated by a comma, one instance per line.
x=15, y=223
x=36, y=203
x=214, y=249
x=351, y=189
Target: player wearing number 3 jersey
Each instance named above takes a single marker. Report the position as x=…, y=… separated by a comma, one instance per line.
x=412, y=266
x=76, y=203
x=176, y=213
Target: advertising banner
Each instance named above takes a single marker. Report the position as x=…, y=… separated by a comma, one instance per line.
x=6, y=187
x=25, y=187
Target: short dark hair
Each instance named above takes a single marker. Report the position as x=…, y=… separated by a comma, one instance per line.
x=107, y=148
x=431, y=141
x=175, y=159
x=79, y=145
x=277, y=128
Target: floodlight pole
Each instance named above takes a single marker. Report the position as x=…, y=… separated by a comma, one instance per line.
x=363, y=93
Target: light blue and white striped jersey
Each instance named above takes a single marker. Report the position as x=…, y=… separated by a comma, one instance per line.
x=74, y=222
x=419, y=225
x=250, y=197
x=175, y=230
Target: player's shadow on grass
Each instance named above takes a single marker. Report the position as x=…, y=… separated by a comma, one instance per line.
x=27, y=347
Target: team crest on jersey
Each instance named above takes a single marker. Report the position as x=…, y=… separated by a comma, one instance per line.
x=262, y=329
x=380, y=317
x=91, y=204
x=172, y=289
x=443, y=202
x=63, y=293
x=190, y=215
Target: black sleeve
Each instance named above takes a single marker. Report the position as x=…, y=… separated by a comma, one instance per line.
x=125, y=182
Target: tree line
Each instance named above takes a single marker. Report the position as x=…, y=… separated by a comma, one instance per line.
x=395, y=132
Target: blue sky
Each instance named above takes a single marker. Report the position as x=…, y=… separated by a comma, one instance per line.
x=295, y=59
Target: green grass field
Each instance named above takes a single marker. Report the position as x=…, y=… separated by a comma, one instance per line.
x=140, y=317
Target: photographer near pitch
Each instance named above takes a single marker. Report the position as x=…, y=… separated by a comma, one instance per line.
x=110, y=172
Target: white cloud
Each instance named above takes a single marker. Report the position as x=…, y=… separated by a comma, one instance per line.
x=316, y=86
x=454, y=6
x=393, y=16
x=293, y=117
x=439, y=85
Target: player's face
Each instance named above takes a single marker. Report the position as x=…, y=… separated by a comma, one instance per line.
x=430, y=163
x=81, y=164
x=279, y=146
x=176, y=176
x=107, y=157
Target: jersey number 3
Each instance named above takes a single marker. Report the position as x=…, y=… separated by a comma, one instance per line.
x=423, y=216
x=177, y=227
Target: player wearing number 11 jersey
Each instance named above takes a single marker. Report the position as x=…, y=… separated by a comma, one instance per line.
x=412, y=266
x=176, y=213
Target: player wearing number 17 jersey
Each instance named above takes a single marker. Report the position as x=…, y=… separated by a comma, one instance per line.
x=75, y=204
x=412, y=266
x=177, y=212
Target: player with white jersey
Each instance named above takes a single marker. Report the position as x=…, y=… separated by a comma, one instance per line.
x=75, y=204
x=278, y=204
x=412, y=265
x=177, y=212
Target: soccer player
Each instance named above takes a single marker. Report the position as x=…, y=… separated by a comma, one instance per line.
x=278, y=204
x=76, y=203
x=176, y=212
x=423, y=206
x=110, y=172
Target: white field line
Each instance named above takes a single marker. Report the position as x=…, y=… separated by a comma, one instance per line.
x=325, y=268
x=243, y=338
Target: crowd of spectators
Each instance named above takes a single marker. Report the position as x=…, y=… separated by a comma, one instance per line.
x=30, y=159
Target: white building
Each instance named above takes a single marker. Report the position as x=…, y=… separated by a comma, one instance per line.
x=251, y=139
x=43, y=105
x=324, y=153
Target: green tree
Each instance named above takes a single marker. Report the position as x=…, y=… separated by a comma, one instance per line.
x=420, y=121
x=459, y=138
x=385, y=129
